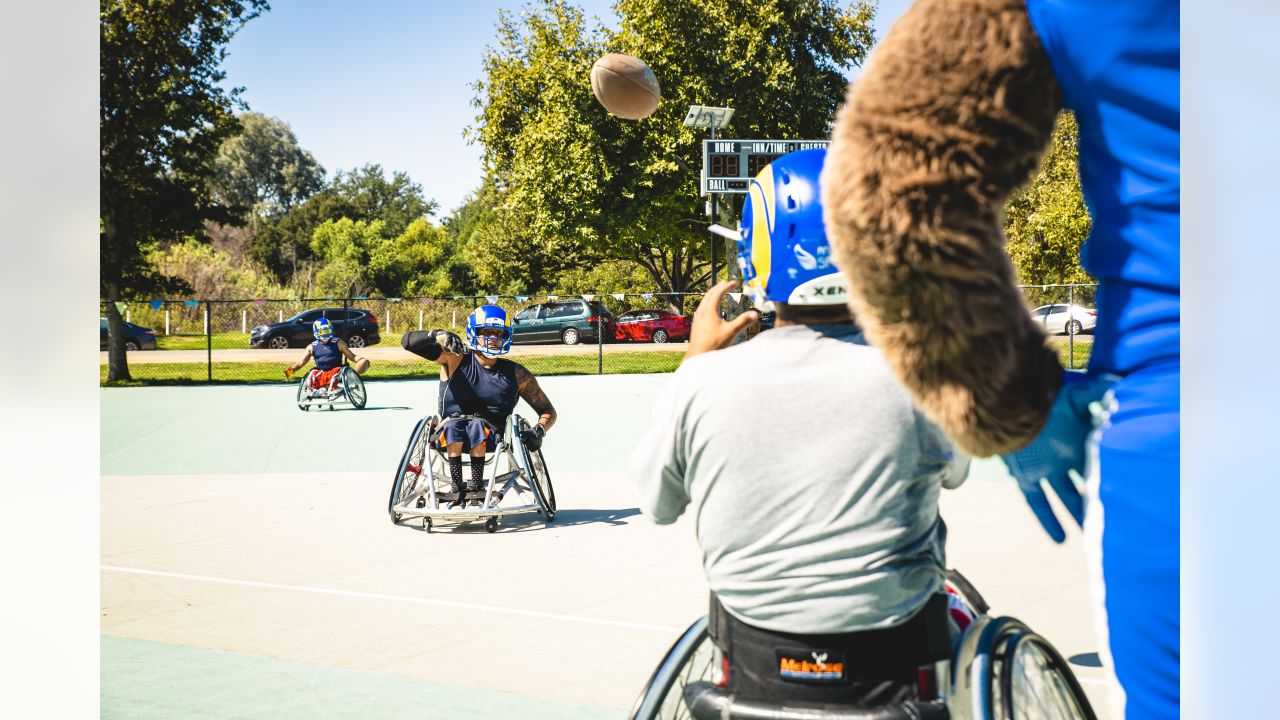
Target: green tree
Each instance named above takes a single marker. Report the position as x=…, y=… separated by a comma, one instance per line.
x=162, y=117
x=358, y=259
x=263, y=169
x=1046, y=221
x=629, y=190
x=284, y=245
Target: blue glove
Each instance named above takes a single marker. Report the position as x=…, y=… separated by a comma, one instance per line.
x=1059, y=449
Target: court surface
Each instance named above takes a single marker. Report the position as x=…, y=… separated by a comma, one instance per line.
x=250, y=570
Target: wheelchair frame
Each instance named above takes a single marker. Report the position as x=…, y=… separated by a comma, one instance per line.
x=986, y=662
x=350, y=390
x=423, y=478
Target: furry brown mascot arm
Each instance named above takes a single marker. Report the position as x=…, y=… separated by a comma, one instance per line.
x=950, y=115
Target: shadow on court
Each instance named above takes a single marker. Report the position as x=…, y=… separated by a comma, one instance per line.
x=531, y=522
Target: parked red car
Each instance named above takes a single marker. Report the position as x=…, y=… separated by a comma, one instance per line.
x=652, y=326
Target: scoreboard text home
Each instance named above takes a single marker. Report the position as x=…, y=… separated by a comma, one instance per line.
x=729, y=165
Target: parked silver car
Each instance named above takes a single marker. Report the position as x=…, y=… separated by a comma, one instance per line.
x=1066, y=319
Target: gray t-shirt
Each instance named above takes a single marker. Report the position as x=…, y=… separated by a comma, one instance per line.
x=813, y=480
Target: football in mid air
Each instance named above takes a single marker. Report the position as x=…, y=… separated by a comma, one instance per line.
x=625, y=86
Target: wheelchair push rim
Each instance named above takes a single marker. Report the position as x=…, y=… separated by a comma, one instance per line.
x=353, y=388
x=540, y=477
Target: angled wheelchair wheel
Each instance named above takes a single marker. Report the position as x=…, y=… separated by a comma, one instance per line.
x=412, y=464
x=302, y=393
x=690, y=660
x=1033, y=681
x=1004, y=671
x=353, y=387
x=535, y=466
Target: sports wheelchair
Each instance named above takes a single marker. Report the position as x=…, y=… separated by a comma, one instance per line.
x=347, y=387
x=516, y=480
x=1002, y=671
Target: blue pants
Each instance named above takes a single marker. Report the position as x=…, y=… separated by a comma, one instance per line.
x=1134, y=530
x=471, y=432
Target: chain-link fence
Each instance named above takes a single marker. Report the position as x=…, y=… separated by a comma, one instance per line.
x=193, y=341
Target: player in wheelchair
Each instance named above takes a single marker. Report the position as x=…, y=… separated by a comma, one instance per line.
x=331, y=380
x=822, y=542
x=479, y=391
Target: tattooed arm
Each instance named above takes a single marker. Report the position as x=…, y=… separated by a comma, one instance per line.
x=532, y=393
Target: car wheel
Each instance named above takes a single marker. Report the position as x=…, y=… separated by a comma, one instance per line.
x=355, y=340
x=660, y=336
x=570, y=336
x=130, y=345
x=278, y=342
x=1074, y=327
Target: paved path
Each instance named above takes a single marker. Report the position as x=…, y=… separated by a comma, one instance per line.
x=249, y=568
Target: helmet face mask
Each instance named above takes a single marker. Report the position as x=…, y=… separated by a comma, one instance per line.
x=489, y=331
x=323, y=330
x=783, y=252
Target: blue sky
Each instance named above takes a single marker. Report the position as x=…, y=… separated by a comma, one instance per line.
x=385, y=81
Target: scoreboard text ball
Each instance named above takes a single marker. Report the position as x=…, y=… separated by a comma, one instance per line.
x=729, y=165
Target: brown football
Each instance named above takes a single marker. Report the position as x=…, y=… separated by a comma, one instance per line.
x=625, y=86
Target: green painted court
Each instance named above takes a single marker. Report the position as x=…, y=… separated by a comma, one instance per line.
x=249, y=568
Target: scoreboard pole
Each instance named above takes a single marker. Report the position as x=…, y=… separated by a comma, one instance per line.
x=715, y=240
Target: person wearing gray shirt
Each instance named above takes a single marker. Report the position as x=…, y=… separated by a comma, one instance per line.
x=814, y=483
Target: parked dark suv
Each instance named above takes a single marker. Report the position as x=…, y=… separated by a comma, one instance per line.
x=566, y=321
x=357, y=327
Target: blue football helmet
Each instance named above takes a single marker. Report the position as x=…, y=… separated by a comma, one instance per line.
x=322, y=329
x=783, y=252
x=491, y=317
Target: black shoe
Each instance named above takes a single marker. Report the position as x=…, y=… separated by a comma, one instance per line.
x=460, y=496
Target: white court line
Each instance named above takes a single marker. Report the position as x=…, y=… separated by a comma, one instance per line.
x=396, y=598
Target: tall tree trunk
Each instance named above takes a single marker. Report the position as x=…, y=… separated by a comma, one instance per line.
x=117, y=360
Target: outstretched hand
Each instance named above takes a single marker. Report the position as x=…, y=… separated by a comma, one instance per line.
x=1059, y=452
x=711, y=332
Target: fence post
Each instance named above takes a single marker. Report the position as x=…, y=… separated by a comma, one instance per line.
x=388, y=306
x=208, y=338
x=127, y=317
x=419, y=318
x=244, y=320
x=166, y=321
x=599, y=340
x=281, y=317
x=1071, y=313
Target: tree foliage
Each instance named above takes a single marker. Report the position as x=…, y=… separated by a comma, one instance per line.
x=264, y=170
x=163, y=116
x=628, y=190
x=359, y=259
x=1046, y=221
x=364, y=194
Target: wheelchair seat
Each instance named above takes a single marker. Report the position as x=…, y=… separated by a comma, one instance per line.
x=999, y=669
x=708, y=702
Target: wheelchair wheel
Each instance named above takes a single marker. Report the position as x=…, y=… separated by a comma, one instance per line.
x=353, y=387
x=1035, y=682
x=415, y=456
x=691, y=659
x=1003, y=671
x=302, y=393
x=536, y=467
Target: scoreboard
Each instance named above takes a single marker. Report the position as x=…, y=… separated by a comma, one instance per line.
x=729, y=165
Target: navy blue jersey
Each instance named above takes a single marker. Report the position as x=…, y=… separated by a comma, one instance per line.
x=473, y=389
x=1118, y=66
x=327, y=355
